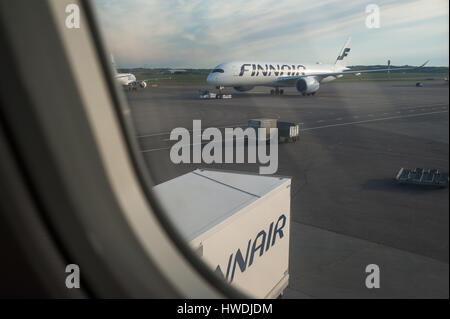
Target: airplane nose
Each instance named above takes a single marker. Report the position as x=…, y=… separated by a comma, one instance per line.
x=209, y=79
x=212, y=78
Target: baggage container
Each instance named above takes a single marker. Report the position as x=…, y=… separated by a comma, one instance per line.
x=238, y=223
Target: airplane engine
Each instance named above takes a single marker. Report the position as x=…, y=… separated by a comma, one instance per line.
x=143, y=84
x=243, y=88
x=308, y=85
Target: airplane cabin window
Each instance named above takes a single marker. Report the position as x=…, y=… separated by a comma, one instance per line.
x=288, y=154
x=327, y=138
x=197, y=146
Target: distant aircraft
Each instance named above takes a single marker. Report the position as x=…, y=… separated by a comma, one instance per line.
x=244, y=76
x=128, y=80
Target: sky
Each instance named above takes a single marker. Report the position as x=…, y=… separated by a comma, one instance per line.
x=204, y=33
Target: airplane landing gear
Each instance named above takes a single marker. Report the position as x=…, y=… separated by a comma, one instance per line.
x=308, y=94
x=277, y=91
x=219, y=94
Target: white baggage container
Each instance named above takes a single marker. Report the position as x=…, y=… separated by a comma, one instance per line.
x=239, y=223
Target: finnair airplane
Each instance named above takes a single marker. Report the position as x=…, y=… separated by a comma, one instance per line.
x=306, y=78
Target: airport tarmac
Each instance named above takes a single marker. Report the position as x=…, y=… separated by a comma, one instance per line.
x=346, y=210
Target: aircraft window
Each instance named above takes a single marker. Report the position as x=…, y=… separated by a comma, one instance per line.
x=319, y=191
x=323, y=118
x=145, y=192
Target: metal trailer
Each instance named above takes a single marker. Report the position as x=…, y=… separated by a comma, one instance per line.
x=262, y=123
x=237, y=222
x=420, y=176
x=287, y=131
x=224, y=96
x=205, y=94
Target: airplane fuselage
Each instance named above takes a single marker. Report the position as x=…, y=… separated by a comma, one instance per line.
x=125, y=78
x=240, y=74
x=306, y=78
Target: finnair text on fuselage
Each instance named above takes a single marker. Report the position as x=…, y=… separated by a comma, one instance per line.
x=269, y=69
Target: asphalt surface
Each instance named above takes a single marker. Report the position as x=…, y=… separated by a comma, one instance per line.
x=346, y=210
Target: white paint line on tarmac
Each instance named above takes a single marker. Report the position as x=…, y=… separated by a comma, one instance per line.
x=168, y=133
x=373, y=120
x=336, y=125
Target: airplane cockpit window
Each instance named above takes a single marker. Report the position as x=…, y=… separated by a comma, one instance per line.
x=218, y=71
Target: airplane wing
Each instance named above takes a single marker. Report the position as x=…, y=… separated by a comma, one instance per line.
x=152, y=80
x=292, y=79
x=145, y=82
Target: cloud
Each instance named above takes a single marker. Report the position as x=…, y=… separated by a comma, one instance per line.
x=202, y=33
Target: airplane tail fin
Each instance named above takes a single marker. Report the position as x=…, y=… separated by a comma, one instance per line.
x=113, y=63
x=342, y=59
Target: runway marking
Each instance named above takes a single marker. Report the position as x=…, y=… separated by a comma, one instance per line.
x=374, y=120
x=168, y=133
x=155, y=149
x=421, y=106
x=330, y=113
x=168, y=139
x=333, y=125
x=372, y=115
x=433, y=107
x=190, y=144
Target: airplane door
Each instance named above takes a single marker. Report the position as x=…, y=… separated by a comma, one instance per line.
x=235, y=70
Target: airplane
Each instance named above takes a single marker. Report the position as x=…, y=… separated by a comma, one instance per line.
x=306, y=78
x=129, y=81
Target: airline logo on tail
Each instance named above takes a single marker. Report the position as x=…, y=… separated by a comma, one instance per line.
x=344, y=54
